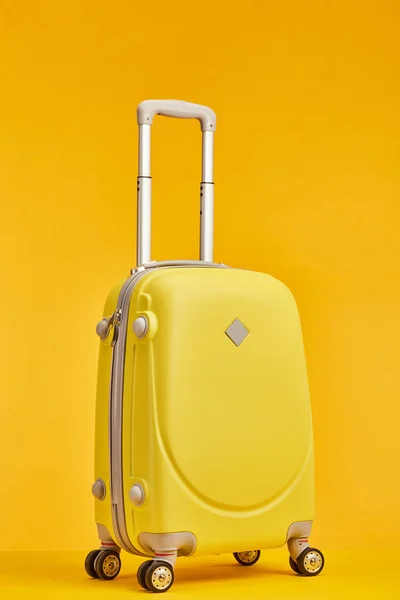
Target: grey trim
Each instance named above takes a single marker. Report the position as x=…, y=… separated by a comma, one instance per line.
x=183, y=542
x=104, y=534
x=297, y=537
x=299, y=529
x=116, y=395
x=176, y=263
x=237, y=332
x=296, y=547
x=171, y=558
x=115, y=420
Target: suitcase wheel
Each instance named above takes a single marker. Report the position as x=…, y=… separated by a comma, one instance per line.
x=107, y=564
x=158, y=576
x=89, y=563
x=310, y=562
x=248, y=558
x=141, y=573
x=294, y=566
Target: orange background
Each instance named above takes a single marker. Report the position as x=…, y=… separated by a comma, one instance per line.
x=307, y=189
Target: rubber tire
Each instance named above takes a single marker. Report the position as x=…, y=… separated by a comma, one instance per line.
x=300, y=564
x=89, y=563
x=98, y=563
x=246, y=564
x=141, y=573
x=294, y=566
x=150, y=571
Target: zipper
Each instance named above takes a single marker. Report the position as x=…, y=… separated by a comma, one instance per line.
x=115, y=415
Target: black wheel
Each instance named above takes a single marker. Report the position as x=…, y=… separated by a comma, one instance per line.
x=310, y=562
x=141, y=573
x=89, y=564
x=159, y=576
x=293, y=565
x=107, y=564
x=248, y=558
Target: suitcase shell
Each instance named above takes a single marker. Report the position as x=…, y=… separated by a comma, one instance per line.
x=218, y=435
x=204, y=441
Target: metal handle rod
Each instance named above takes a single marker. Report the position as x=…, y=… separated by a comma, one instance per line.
x=207, y=198
x=143, y=248
x=143, y=239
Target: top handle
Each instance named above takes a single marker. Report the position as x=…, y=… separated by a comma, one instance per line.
x=146, y=112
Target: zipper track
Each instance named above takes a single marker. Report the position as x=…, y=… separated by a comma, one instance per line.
x=116, y=397
x=115, y=419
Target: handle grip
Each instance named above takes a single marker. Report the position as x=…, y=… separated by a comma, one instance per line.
x=147, y=110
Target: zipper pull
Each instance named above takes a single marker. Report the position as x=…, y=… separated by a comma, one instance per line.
x=116, y=321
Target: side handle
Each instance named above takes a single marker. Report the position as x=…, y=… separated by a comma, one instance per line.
x=147, y=110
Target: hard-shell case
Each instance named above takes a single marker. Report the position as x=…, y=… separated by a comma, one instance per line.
x=204, y=440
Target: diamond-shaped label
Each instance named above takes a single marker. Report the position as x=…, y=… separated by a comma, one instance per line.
x=237, y=332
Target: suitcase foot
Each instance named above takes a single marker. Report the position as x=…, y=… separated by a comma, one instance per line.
x=248, y=558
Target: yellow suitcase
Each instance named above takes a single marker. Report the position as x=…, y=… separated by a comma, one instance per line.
x=204, y=439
